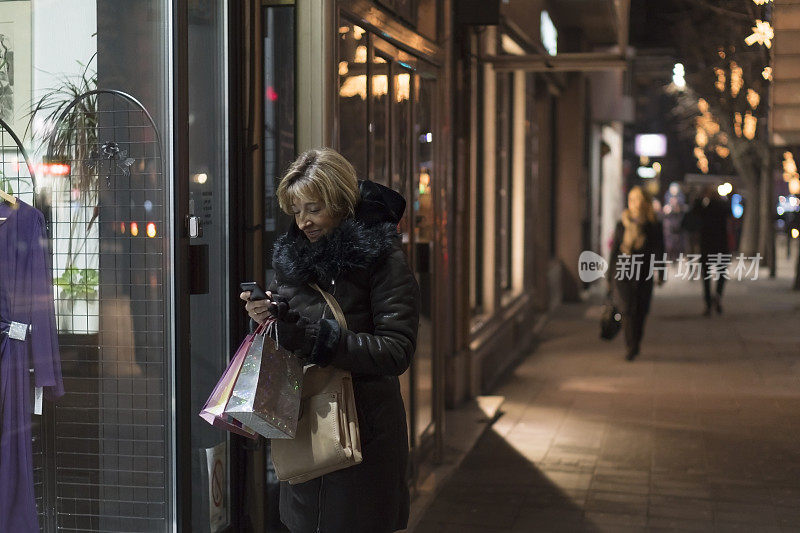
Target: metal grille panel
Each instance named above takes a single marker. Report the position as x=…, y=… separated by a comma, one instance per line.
x=109, y=432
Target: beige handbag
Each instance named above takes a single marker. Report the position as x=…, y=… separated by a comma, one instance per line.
x=327, y=436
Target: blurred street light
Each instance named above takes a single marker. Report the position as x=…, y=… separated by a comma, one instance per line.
x=678, y=79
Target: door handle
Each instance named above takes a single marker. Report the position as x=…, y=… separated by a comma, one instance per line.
x=194, y=228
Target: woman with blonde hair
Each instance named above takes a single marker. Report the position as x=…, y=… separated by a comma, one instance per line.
x=345, y=241
x=638, y=240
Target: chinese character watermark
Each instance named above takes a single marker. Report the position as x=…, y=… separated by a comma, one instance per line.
x=686, y=267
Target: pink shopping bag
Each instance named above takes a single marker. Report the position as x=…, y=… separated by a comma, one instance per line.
x=214, y=410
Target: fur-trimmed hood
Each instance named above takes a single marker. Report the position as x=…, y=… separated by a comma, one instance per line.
x=350, y=246
x=358, y=243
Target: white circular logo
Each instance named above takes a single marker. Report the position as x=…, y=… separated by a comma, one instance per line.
x=591, y=266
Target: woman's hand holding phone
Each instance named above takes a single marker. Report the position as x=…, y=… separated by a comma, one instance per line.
x=257, y=309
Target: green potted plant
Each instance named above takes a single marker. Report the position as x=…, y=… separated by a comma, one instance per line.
x=74, y=196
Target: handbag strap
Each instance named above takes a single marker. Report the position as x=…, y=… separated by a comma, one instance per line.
x=333, y=304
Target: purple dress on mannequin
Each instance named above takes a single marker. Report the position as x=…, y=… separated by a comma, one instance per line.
x=26, y=296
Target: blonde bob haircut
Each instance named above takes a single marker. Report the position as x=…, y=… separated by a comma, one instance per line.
x=321, y=175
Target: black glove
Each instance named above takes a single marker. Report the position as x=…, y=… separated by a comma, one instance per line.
x=279, y=306
x=316, y=342
x=291, y=329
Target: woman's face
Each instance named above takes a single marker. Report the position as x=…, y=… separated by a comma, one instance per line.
x=635, y=202
x=314, y=219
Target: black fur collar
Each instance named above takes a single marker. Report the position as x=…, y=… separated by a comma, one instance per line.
x=353, y=245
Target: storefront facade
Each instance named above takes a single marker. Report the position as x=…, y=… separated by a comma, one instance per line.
x=169, y=202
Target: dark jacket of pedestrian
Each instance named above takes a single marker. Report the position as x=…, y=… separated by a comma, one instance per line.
x=709, y=215
x=361, y=263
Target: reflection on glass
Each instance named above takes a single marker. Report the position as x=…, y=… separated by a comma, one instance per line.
x=505, y=91
x=380, y=121
x=352, y=96
x=102, y=462
x=422, y=206
x=209, y=339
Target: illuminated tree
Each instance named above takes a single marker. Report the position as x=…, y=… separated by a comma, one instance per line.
x=722, y=107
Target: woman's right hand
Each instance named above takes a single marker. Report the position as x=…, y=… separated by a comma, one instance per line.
x=258, y=310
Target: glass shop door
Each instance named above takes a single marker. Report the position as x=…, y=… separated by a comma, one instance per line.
x=209, y=284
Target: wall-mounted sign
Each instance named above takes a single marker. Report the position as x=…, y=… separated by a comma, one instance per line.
x=548, y=33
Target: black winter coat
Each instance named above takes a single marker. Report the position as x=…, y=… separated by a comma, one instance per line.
x=653, y=249
x=361, y=263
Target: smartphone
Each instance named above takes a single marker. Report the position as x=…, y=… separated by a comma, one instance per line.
x=256, y=292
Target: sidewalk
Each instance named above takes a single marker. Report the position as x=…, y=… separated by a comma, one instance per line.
x=700, y=432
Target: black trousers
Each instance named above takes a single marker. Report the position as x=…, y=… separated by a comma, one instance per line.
x=720, y=282
x=634, y=301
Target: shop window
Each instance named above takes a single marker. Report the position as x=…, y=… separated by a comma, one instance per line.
x=476, y=196
x=353, y=44
x=504, y=139
x=102, y=457
x=380, y=95
x=510, y=179
x=279, y=117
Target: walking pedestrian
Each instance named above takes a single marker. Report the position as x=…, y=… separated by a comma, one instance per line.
x=345, y=240
x=638, y=240
x=711, y=214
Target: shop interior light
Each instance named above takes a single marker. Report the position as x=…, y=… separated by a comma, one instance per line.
x=657, y=167
x=200, y=178
x=134, y=229
x=360, y=55
x=795, y=233
x=151, y=230
x=402, y=90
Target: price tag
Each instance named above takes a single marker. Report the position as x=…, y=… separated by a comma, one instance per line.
x=18, y=331
x=37, y=401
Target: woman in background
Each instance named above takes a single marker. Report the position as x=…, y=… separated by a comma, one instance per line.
x=638, y=239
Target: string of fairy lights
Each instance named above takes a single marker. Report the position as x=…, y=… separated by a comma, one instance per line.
x=708, y=133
